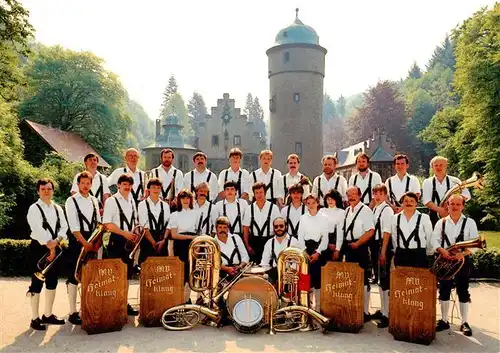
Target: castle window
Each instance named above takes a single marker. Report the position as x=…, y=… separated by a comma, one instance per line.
x=287, y=57
x=237, y=140
x=296, y=97
x=298, y=148
x=215, y=140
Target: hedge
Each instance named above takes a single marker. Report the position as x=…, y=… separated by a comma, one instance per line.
x=13, y=260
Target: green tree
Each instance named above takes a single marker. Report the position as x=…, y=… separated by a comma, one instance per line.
x=171, y=89
x=329, y=110
x=143, y=128
x=443, y=54
x=197, y=111
x=334, y=136
x=73, y=92
x=414, y=71
x=257, y=109
x=173, y=103
x=249, y=106
x=341, y=107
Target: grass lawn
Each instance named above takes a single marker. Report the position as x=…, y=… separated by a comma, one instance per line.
x=492, y=238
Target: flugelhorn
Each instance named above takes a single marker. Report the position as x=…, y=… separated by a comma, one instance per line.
x=133, y=246
x=476, y=180
x=44, y=265
x=85, y=255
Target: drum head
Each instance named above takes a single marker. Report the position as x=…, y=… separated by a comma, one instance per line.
x=248, y=313
x=258, y=270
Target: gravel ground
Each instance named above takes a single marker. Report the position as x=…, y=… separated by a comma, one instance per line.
x=17, y=337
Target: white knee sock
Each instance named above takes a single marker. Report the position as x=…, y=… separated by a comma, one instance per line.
x=170, y=246
x=35, y=301
x=385, y=297
x=312, y=299
x=50, y=296
x=72, y=292
x=464, y=311
x=367, y=300
x=381, y=294
x=445, y=308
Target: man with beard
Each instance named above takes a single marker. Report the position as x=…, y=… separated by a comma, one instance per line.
x=205, y=209
x=170, y=177
x=399, y=184
x=140, y=180
x=200, y=174
x=365, y=179
x=270, y=177
x=329, y=180
x=236, y=174
x=294, y=176
x=232, y=208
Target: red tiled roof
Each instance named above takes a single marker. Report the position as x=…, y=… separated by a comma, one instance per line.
x=70, y=145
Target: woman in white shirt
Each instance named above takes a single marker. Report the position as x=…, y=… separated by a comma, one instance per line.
x=335, y=214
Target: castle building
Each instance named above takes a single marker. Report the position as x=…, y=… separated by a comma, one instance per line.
x=296, y=65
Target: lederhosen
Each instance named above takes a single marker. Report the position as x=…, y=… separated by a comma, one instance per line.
x=99, y=194
x=368, y=190
x=321, y=195
x=38, y=250
x=273, y=272
x=157, y=229
x=314, y=268
x=392, y=196
x=204, y=222
x=208, y=182
x=375, y=248
x=269, y=186
x=140, y=188
x=75, y=246
x=166, y=191
x=238, y=183
x=181, y=248
x=237, y=220
x=404, y=255
x=359, y=255
x=293, y=230
x=462, y=277
x=116, y=246
x=434, y=216
x=258, y=240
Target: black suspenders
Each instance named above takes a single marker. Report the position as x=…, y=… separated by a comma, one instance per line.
x=268, y=186
x=435, y=196
x=100, y=190
x=293, y=230
x=123, y=218
x=253, y=223
x=205, y=222
x=350, y=229
x=82, y=219
x=238, y=183
x=391, y=193
x=336, y=187
x=444, y=238
x=368, y=190
x=159, y=224
x=139, y=190
x=46, y=225
x=208, y=181
x=237, y=220
x=378, y=229
x=414, y=234
x=236, y=252
x=273, y=254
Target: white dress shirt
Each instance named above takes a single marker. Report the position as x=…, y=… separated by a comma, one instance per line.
x=329, y=184
x=398, y=186
x=155, y=211
x=96, y=183
x=87, y=206
x=260, y=218
x=289, y=180
x=232, y=213
x=213, y=185
x=231, y=175
x=139, y=176
x=228, y=248
x=278, y=248
x=166, y=180
x=277, y=186
x=112, y=212
x=294, y=219
x=363, y=183
x=35, y=221
x=185, y=220
x=452, y=231
x=362, y=224
x=313, y=228
x=407, y=227
x=441, y=188
x=383, y=212
x=207, y=211
x=335, y=217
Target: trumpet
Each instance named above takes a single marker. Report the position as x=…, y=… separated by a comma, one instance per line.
x=94, y=239
x=44, y=265
x=140, y=232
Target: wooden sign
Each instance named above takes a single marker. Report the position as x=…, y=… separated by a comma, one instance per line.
x=412, y=305
x=342, y=293
x=162, y=287
x=104, y=296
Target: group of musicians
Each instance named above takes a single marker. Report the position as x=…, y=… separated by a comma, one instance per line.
x=257, y=215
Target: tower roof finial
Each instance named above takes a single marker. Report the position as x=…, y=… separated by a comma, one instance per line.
x=297, y=14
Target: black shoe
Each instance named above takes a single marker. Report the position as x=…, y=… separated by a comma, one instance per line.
x=75, y=319
x=367, y=317
x=52, y=320
x=465, y=328
x=377, y=316
x=37, y=325
x=441, y=325
x=131, y=311
x=384, y=322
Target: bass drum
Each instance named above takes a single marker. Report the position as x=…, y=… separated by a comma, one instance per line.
x=250, y=303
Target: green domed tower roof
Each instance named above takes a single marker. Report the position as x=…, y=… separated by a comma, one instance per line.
x=298, y=33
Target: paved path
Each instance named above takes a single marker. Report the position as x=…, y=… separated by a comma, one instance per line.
x=17, y=337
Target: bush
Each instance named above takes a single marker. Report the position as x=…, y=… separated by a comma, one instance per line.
x=486, y=263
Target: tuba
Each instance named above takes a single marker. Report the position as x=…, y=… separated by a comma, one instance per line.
x=294, y=291
x=447, y=269
x=476, y=180
x=95, y=239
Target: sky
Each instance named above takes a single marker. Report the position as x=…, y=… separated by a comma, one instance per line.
x=217, y=47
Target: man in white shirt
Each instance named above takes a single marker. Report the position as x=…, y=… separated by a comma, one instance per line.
x=233, y=252
x=272, y=179
x=200, y=174
x=120, y=218
x=48, y=228
x=329, y=180
x=357, y=230
x=235, y=173
x=138, y=191
x=100, y=187
x=454, y=228
x=294, y=210
x=232, y=208
x=401, y=182
x=257, y=222
x=205, y=208
x=365, y=179
x=434, y=189
x=294, y=176
x=172, y=179
x=82, y=210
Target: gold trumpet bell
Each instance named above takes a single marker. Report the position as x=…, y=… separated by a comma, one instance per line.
x=40, y=276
